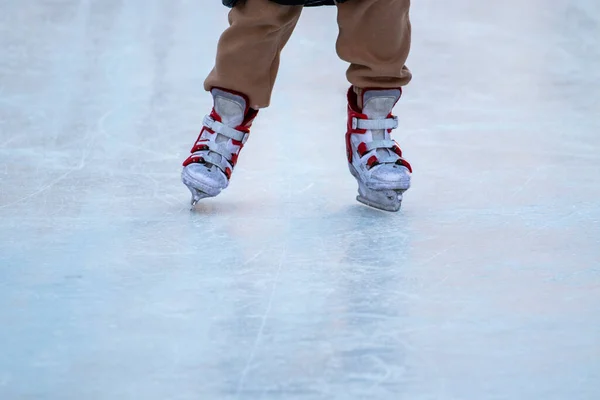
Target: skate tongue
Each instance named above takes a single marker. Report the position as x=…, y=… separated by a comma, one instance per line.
x=231, y=107
x=378, y=104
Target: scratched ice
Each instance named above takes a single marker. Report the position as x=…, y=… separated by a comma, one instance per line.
x=485, y=286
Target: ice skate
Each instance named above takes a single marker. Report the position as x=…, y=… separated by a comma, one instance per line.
x=207, y=171
x=374, y=159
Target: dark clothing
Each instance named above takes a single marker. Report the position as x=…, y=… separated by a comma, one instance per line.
x=306, y=3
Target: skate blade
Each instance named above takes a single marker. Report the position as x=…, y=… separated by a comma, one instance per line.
x=198, y=192
x=197, y=195
x=392, y=204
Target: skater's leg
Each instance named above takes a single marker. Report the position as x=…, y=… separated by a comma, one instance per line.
x=375, y=39
x=241, y=83
x=248, y=53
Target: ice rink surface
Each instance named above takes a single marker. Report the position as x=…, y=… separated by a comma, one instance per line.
x=485, y=286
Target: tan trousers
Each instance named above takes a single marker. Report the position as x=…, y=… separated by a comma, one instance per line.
x=374, y=37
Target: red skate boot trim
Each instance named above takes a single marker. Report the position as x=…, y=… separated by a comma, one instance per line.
x=397, y=149
x=234, y=159
x=362, y=149
x=353, y=116
x=194, y=159
x=216, y=117
x=372, y=161
x=200, y=147
x=404, y=163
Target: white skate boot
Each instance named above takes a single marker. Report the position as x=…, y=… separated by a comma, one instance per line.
x=207, y=171
x=374, y=159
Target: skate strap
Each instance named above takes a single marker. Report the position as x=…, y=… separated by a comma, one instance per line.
x=390, y=158
x=214, y=159
x=375, y=124
x=219, y=148
x=380, y=144
x=222, y=129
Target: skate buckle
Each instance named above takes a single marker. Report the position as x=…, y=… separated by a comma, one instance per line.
x=245, y=138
